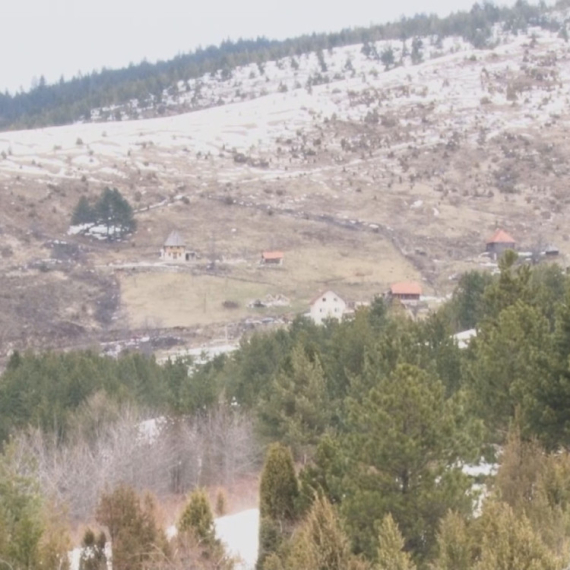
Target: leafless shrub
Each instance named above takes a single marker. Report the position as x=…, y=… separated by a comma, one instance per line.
x=111, y=445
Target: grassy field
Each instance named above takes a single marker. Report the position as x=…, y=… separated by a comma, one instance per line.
x=184, y=298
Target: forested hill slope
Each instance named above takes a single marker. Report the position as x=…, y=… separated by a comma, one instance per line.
x=147, y=90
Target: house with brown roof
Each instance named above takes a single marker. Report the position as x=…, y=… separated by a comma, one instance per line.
x=174, y=248
x=406, y=291
x=327, y=305
x=271, y=258
x=499, y=242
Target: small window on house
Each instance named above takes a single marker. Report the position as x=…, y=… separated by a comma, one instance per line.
x=335, y=299
x=324, y=299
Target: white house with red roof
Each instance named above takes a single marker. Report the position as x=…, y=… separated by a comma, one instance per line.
x=327, y=305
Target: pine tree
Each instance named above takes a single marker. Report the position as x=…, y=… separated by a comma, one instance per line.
x=391, y=555
x=508, y=542
x=297, y=411
x=510, y=368
x=320, y=543
x=197, y=518
x=417, y=46
x=467, y=306
x=513, y=285
x=455, y=548
x=131, y=523
x=196, y=538
x=83, y=213
x=401, y=454
x=278, y=487
x=552, y=391
x=387, y=57
x=323, y=476
x=278, y=492
x=115, y=213
x=32, y=533
x=536, y=484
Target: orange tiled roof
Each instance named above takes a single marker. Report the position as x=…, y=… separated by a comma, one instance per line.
x=501, y=236
x=406, y=288
x=272, y=255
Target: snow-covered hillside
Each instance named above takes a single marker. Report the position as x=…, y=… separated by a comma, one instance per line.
x=421, y=162
x=455, y=90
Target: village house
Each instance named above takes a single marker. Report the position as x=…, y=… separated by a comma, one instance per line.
x=271, y=258
x=499, y=242
x=406, y=291
x=174, y=248
x=327, y=306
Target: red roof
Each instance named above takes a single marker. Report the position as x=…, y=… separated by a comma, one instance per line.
x=500, y=236
x=272, y=255
x=406, y=288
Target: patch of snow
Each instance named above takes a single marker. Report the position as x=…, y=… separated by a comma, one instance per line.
x=74, y=556
x=96, y=231
x=463, y=338
x=482, y=469
x=149, y=430
x=202, y=354
x=240, y=535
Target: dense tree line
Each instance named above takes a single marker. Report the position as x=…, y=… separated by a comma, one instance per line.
x=45, y=390
x=68, y=101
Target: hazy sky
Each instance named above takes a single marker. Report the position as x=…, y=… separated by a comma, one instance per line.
x=62, y=37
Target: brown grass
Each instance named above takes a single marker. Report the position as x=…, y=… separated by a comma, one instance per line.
x=185, y=299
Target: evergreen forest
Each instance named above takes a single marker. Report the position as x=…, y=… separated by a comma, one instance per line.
x=369, y=431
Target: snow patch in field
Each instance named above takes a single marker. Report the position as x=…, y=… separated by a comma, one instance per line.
x=482, y=469
x=149, y=430
x=95, y=231
x=240, y=533
x=74, y=557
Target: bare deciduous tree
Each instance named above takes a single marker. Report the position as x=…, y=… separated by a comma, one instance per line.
x=111, y=445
